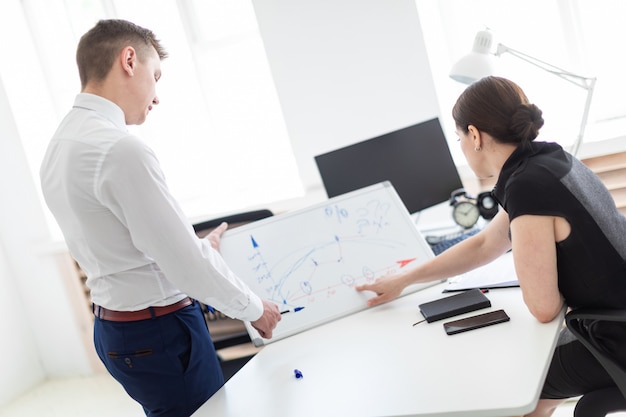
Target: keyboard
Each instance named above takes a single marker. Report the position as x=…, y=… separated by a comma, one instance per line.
x=439, y=244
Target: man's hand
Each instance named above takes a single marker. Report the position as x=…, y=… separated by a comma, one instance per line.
x=216, y=234
x=266, y=324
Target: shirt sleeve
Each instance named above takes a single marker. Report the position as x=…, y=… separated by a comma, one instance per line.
x=532, y=192
x=133, y=186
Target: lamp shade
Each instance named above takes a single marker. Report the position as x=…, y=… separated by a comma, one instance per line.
x=477, y=64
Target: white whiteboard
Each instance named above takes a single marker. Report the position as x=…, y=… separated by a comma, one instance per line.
x=314, y=257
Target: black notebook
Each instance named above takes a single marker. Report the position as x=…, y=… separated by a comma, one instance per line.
x=464, y=302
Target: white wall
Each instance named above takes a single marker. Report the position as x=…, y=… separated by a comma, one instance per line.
x=40, y=336
x=345, y=71
x=19, y=358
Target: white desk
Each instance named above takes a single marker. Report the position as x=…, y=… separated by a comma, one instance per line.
x=375, y=363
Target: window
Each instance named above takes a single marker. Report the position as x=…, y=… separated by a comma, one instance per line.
x=218, y=131
x=580, y=36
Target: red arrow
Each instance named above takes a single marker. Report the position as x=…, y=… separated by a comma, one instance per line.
x=405, y=262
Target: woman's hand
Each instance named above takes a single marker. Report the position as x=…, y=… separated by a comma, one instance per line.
x=386, y=288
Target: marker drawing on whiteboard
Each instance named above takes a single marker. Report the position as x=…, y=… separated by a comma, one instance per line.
x=295, y=310
x=297, y=374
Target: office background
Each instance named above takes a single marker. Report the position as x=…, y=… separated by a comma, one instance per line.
x=252, y=91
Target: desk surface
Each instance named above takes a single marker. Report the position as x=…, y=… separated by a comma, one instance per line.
x=375, y=363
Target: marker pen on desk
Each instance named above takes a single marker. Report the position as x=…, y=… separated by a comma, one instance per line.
x=295, y=310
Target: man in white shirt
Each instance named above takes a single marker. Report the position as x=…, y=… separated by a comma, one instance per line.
x=144, y=263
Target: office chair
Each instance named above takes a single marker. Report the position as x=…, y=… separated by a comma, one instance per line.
x=227, y=332
x=599, y=403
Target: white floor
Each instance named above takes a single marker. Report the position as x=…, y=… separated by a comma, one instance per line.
x=94, y=396
x=101, y=396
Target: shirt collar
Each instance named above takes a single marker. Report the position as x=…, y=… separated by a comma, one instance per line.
x=515, y=160
x=102, y=106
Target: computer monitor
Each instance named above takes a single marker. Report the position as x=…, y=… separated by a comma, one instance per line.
x=416, y=160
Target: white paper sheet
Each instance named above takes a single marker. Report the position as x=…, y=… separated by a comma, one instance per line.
x=497, y=274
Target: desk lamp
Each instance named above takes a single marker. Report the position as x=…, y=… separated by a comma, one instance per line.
x=481, y=62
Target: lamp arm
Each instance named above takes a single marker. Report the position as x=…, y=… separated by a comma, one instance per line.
x=583, y=122
x=588, y=83
x=579, y=80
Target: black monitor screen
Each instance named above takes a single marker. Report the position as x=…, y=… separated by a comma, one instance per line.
x=416, y=160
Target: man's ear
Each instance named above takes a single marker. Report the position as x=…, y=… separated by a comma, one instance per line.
x=128, y=59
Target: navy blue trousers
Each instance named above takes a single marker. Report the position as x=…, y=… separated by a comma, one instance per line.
x=167, y=364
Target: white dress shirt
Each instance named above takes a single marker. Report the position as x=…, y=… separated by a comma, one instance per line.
x=138, y=249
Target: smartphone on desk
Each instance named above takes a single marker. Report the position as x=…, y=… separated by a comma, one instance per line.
x=476, y=322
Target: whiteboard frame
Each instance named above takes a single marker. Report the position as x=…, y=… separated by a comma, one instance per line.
x=235, y=259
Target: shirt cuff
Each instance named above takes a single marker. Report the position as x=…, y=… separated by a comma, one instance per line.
x=254, y=310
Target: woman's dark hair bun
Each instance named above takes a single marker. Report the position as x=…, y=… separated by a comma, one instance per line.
x=526, y=122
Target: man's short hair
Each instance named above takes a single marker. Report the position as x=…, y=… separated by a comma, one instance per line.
x=98, y=48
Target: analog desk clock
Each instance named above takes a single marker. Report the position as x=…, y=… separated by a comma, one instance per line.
x=466, y=210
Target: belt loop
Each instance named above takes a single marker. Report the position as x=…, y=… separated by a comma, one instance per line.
x=152, y=313
x=94, y=310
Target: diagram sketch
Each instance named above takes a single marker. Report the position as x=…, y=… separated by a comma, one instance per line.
x=309, y=261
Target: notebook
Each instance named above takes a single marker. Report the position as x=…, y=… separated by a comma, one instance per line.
x=454, y=305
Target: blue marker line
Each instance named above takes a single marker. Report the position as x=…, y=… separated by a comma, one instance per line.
x=295, y=310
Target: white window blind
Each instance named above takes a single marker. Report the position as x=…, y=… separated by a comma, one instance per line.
x=581, y=36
